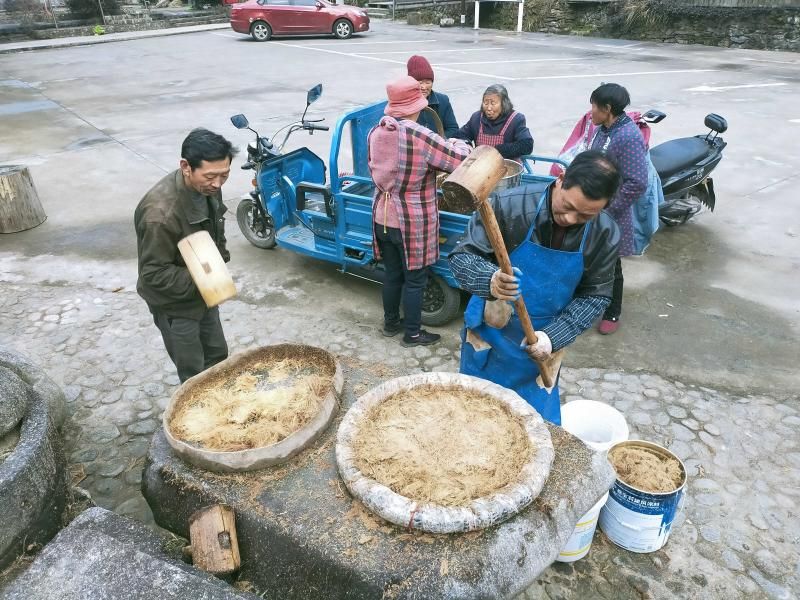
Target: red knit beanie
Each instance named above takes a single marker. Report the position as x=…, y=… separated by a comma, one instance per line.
x=419, y=68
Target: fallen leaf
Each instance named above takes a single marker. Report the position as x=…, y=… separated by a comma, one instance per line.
x=443, y=568
x=118, y=289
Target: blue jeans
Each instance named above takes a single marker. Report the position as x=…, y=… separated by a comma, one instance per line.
x=400, y=284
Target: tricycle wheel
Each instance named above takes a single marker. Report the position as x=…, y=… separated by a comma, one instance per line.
x=260, y=31
x=257, y=228
x=440, y=303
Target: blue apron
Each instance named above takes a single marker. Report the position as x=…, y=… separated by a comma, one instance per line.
x=549, y=280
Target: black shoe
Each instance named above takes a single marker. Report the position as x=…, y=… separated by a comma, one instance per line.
x=392, y=329
x=423, y=338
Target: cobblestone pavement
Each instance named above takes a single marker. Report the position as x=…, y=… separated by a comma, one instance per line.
x=738, y=536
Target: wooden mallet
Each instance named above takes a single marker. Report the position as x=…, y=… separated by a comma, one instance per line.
x=468, y=188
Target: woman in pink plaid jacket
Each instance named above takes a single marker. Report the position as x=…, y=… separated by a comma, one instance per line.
x=403, y=159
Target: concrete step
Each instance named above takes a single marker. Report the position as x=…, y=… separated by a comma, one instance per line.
x=103, y=555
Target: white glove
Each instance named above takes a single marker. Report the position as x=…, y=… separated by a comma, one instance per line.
x=543, y=347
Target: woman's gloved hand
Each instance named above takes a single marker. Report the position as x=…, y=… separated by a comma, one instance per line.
x=542, y=349
x=505, y=287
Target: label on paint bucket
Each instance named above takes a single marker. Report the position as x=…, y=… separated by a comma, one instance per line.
x=638, y=521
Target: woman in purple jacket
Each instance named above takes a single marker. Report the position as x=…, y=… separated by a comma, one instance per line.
x=621, y=139
x=497, y=124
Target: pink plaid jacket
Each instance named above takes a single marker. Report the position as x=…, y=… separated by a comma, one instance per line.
x=412, y=194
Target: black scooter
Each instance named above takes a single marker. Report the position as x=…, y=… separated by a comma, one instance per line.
x=684, y=166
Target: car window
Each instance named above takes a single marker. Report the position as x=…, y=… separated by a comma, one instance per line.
x=277, y=2
x=304, y=2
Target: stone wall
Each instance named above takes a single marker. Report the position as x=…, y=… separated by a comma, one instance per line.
x=759, y=24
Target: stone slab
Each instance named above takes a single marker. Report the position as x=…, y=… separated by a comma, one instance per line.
x=301, y=535
x=104, y=556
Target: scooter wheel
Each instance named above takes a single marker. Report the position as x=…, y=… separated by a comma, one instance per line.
x=257, y=229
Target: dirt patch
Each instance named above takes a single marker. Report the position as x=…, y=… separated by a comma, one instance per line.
x=447, y=446
x=260, y=404
x=646, y=469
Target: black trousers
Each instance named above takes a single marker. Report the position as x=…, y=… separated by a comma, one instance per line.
x=193, y=346
x=400, y=284
x=614, y=309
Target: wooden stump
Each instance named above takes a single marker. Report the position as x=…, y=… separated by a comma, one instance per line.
x=215, y=547
x=20, y=208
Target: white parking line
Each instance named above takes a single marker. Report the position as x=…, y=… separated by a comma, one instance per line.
x=595, y=75
x=389, y=60
x=434, y=51
x=723, y=88
x=778, y=62
x=501, y=62
x=230, y=35
x=618, y=45
x=356, y=43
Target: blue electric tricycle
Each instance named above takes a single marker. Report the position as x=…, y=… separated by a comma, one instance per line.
x=294, y=205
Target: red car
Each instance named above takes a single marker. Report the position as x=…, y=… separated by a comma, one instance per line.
x=264, y=18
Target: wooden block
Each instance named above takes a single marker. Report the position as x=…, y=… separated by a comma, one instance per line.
x=212, y=532
x=207, y=268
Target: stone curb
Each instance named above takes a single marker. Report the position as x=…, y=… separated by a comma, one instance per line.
x=105, y=39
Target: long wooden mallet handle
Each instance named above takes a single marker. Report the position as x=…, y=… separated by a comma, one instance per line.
x=470, y=185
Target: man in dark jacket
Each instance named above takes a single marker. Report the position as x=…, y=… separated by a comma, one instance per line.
x=420, y=69
x=563, y=248
x=184, y=202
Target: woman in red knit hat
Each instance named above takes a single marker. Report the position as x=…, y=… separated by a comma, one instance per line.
x=420, y=69
x=403, y=159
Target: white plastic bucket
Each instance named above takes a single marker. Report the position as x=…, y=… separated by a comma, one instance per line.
x=642, y=521
x=596, y=424
x=599, y=426
x=581, y=539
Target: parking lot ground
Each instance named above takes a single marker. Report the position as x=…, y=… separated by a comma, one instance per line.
x=705, y=361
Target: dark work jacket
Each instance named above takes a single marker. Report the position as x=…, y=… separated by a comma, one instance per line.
x=517, y=141
x=515, y=209
x=441, y=104
x=166, y=215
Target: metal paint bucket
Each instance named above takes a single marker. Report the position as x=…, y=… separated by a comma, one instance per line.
x=641, y=521
x=512, y=177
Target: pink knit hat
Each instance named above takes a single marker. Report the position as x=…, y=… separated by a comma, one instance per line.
x=419, y=68
x=404, y=97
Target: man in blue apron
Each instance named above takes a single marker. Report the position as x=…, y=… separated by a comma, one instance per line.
x=563, y=247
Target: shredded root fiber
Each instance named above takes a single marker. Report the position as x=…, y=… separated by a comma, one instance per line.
x=447, y=446
x=254, y=409
x=646, y=470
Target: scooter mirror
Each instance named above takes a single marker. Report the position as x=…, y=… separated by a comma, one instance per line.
x=314, y=93
x=240, y=121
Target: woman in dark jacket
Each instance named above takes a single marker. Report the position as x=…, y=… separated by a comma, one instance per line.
x=420, y=69
x=620, y=138
x=498, y=124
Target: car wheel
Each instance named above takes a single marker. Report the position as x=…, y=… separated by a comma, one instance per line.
x=440, y=303
x=343, y=29
x=260, y=31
